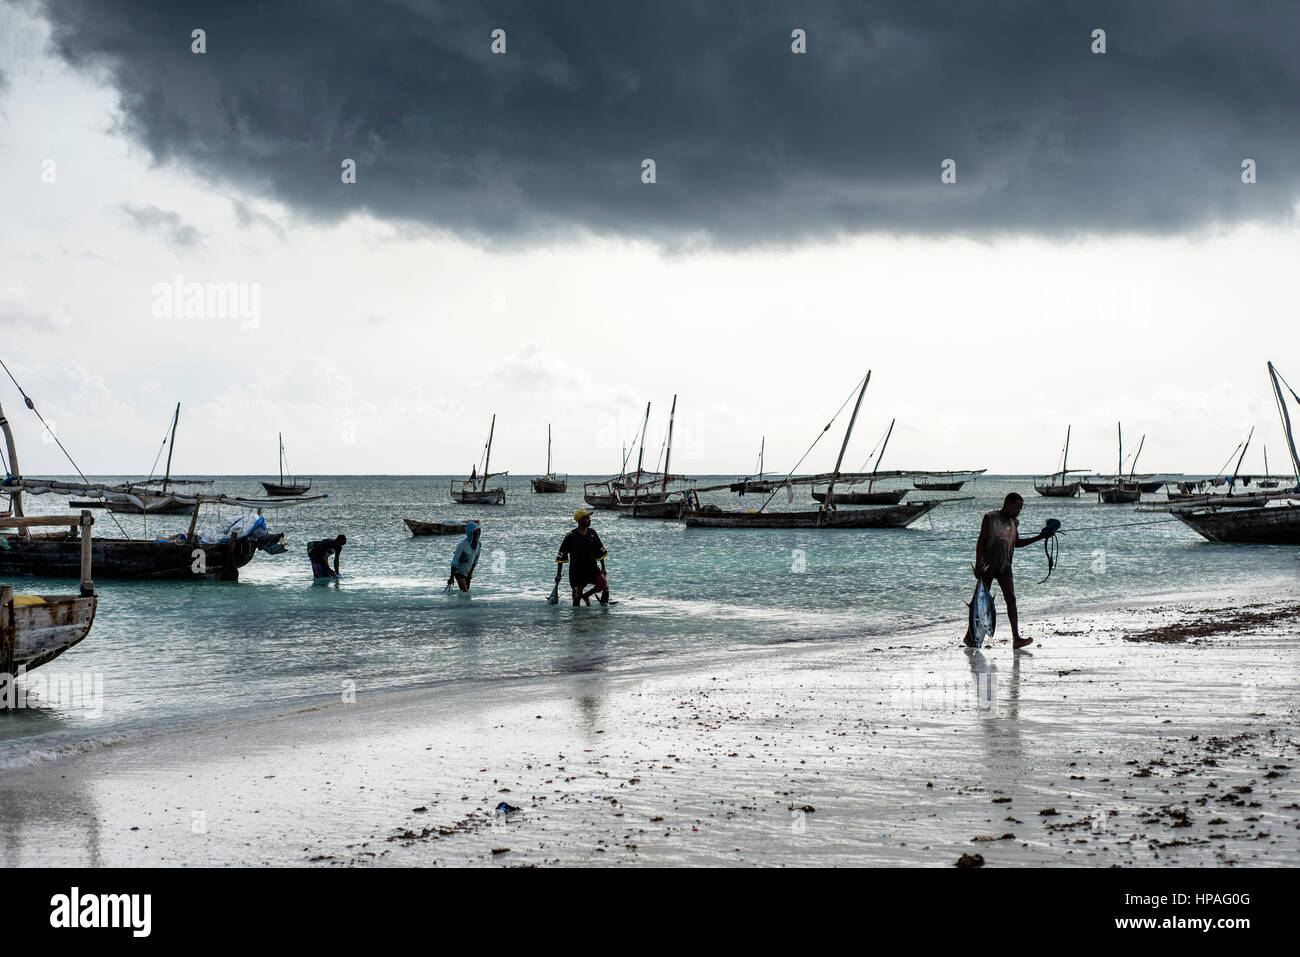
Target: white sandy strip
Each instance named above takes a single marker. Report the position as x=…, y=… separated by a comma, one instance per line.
x=847, y=752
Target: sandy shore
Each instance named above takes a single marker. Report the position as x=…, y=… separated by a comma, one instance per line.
x=1092, y=748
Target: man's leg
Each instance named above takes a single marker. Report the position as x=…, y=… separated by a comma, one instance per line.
x=1008, y=587
x=577, y=594
x=462, y=581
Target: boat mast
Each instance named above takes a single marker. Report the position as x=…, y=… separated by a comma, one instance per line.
x=1119, y=468
x=1132, y=472
x=1281, y=406
x=876, y=467
x=1233, y=481
x=1266, y=463
x=641, y=454
x=281, y=458
x=1065, y=459
x=171, y=445
x=830, y=489
x=487, y=461
x=548, y=449
x=762, y=445
x=669, y=454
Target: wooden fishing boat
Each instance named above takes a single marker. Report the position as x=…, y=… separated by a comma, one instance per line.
x=36, y=629
x=885, y=516
x=1273, y=524
x=933, y=485
x=474, y=490
x=550, y=483
x=152, y=496
x=1228, y=500
x=1267, y=481
x=58, y=554
x=1055, y=485
x=434, y=528
x=891, y=497
x=828, y=516
x=632, y=502
x=869, y=497
x=1121, y=491
x=756, y=484
x=280, y=488
x=1261, y=525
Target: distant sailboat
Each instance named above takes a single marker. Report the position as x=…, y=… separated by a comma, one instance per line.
x=1121, y=492
x=550, y=483
x=279, y=488
x=1056, y=485
x=474, y=490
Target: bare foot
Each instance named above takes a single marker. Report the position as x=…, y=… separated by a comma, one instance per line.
x=1022, y=642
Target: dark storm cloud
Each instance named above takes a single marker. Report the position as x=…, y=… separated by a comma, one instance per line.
x=752, y=142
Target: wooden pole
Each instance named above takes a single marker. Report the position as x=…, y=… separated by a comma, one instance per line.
x=8, y=636
x=194, y=523
x=15, y=496
x=1281, y=407
x=668, y=456
x=830, y=489
x=281, y=434
x=1233, y=481
x=876, y=467
x=1065, y=459
x=170, y=446
x=548, y=449
x=87, y=583
x=487, y=462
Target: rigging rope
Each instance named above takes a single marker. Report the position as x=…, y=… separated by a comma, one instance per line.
x=824, y=430
x=32, y=405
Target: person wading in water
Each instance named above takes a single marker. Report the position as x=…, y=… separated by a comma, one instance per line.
x=585, y=556
x=998, y=541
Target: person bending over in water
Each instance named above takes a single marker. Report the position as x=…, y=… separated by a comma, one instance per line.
x=465, y=560
x=998, y=541
x=585, y=555
x=320, y=556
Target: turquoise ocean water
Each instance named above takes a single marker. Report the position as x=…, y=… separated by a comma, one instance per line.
x=177, y=654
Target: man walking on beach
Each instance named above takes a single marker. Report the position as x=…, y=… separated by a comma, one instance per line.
x=585, y=555
x=998, y=541
x=465, y=560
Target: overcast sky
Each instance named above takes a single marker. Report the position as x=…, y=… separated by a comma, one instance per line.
x=1099, y=257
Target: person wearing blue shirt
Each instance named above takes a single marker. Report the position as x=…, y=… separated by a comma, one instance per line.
x=465, y=560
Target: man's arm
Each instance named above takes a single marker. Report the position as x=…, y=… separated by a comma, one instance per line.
x=1022, y=542
x=338, y=552
x=979, y=546
x=561, y=558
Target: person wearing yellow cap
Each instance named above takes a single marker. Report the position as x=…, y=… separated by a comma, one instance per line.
x=582, y=551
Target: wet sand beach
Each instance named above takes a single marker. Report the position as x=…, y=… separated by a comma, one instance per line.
x=1161, y=732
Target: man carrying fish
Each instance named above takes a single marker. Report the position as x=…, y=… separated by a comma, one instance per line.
x=999, y=538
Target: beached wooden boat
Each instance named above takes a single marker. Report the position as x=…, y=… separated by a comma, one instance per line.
x=36, y=629
x=474, y=490
x=281, y=488
x=434, y=528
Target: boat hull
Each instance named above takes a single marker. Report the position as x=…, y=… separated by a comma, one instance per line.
x=490, y=496
x=418, y=527
x=286, y=491
x=864, y=498
x=1248, y=526
x=60, y=557
x=674, y=508
x=44, y=631
x=885, y=516
x=1120, y=496
x=939, y=486
x=1069, y=490
x=547, y=485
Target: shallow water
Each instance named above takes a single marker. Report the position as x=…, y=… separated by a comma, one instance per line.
x=180, y=653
